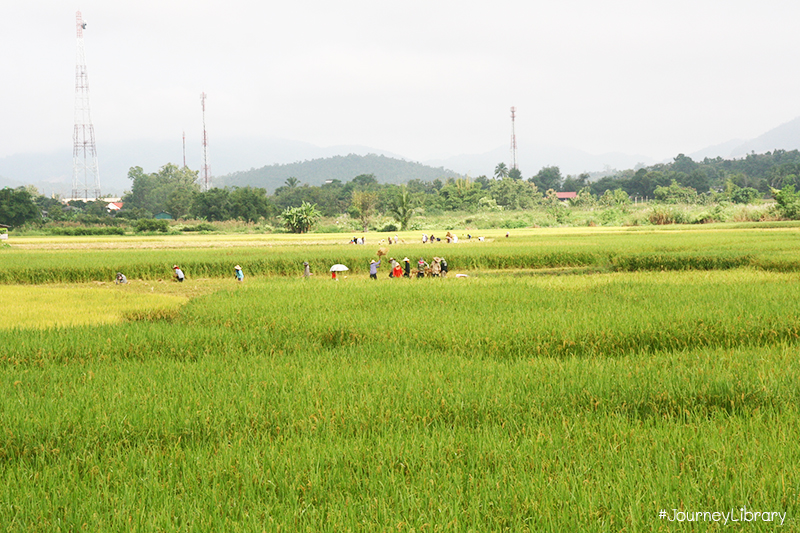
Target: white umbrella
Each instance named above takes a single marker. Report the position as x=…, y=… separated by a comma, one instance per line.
x=339, y=268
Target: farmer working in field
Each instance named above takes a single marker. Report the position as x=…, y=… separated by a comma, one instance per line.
x=373, y=268
x=178, y=273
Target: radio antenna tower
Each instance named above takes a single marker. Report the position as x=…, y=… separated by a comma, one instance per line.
x=85, y=172
x=206, y=175
x=513, y=140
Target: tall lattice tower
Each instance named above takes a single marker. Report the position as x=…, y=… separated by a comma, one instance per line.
x=513, y=139
x=205, y=176
x=85, y=172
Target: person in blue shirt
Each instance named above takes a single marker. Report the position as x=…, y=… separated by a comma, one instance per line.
x=373, y=268
x=239, y=274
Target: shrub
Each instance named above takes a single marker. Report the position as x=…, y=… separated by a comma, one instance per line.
x=80, y=230
x=661, y=215
x=610, y=216
x=203, y=226
x=150, y=224
x=788, y=202
x=300, y=219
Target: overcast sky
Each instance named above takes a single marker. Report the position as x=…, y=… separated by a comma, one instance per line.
x=418, y=78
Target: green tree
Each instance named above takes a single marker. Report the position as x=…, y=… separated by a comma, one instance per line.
x=788, y=202
x=548, y=178
x=214, y=204
x=744, y=195
x=675, y=194
x=17, y=207
x=300, y=219
x=500, y=171
x=615, y=198
x=249, y=204
x=363, y=204
x=512, y=194
x=170, y=189
x=402, y=208
x=292, y=182
x=364, y=181
x=515, y=174
x=572, y=183
x=584, y=199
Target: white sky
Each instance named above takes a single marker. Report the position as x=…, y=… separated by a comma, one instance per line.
x=420, y=78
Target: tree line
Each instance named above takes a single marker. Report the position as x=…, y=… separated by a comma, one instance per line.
x=176, y=191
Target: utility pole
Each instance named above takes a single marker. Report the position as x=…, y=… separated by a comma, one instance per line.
x=206, y=174
x=513, y=140
x=85, y=171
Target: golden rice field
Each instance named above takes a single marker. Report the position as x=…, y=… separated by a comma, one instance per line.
x=575, y=380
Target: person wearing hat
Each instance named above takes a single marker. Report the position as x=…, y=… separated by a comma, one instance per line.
x=121, y=278
x=397, y=270
x=306, y=269
x=421, y=266
x=239, y=274
x=373, y=268
x=178, y=273
x=406, y=267
x=393, y=264
x=436, y=267
x=443, y=262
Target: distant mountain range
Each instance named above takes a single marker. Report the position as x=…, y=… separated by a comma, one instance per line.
x=342, y=168
x=269, y=161
x=784, y=137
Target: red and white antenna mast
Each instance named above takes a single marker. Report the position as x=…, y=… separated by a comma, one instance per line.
x=206, y=174
x=85, y=171
x=513, y=140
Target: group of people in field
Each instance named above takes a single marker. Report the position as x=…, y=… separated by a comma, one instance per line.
x=402, y=269
x=178, y=275
x=399, y=269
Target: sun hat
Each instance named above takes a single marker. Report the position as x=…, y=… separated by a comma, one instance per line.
x=237, y=267
x=371, y=261
x=174, y=266
x=405, y=259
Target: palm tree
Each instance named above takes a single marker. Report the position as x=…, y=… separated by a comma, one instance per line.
x=402, y=209
x=500, y=171
x=292, y=182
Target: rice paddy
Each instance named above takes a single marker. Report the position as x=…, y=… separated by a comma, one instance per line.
x=575, y=381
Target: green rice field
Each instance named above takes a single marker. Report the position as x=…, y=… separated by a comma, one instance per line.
x=574, y=380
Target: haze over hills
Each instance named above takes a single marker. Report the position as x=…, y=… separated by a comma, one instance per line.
x=342, y=168
x=784, y=137
x=269, y=161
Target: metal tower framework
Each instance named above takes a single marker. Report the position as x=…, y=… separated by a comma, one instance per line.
x=85, y=171
x=513, y=140
x=206, y=174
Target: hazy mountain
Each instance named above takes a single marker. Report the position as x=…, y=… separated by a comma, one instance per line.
x=784, y=137
x=51, y=172
x=531, y=160
x=342, y=168
x=722, y=150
